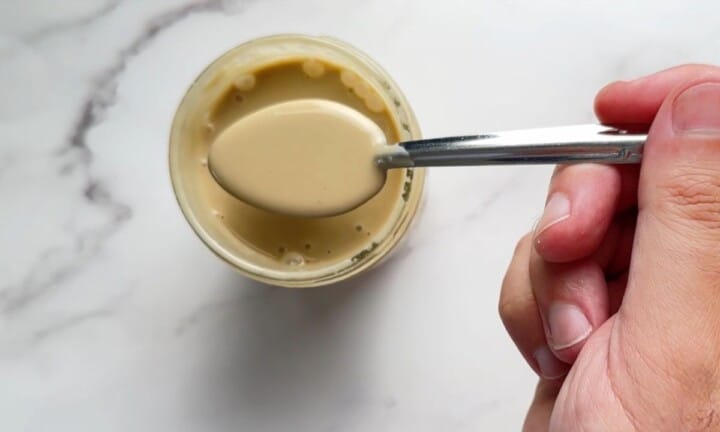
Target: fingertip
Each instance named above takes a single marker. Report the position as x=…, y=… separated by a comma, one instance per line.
x=548, y=365
x=581, y=204
x=637, y=101
x=569, y=354
x=572, y=300
x=606, y=100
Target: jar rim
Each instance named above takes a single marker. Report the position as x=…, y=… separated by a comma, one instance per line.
x=317, y=277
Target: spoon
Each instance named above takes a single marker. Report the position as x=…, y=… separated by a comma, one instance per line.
x=317, y=158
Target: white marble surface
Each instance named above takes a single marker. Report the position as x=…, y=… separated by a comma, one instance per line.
x=114, y=317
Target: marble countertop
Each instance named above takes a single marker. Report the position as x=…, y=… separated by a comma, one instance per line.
x=114, y=317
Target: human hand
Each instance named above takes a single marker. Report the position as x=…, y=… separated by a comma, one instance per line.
x=614, y=299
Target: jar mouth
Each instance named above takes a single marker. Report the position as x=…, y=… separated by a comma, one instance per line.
x=275, y=48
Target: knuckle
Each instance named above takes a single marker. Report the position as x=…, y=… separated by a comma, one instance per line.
x=693, y=194
x=506, y=308
x=515, y=288
x=701, y=409
x=508, y=304
x=522, y=244
x=511, y=311
x=520, y=317
x=698, y=69
x=702, y=418
x=514, y=304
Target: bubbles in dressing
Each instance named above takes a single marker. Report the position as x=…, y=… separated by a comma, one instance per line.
x=270, y=234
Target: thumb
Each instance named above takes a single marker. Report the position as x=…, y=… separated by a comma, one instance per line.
x=673, y=292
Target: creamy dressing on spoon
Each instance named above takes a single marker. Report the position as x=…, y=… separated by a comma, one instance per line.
x=306, y=157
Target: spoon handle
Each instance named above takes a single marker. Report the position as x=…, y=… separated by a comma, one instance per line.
x=565, y=144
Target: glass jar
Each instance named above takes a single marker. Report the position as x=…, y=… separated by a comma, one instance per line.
x=211, y=214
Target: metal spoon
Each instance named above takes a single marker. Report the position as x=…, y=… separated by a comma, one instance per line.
x=565, y=145
x=314, y=157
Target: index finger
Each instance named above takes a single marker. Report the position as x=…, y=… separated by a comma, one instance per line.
x=638, y=101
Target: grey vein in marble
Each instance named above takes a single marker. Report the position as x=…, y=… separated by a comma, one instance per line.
x=69, y=323
x=59, y=326
x=58, y=264
x=482, y=207
x=102, y=95
x=242, y=298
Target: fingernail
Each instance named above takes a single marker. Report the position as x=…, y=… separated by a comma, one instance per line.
x=697, y=110
x=549, y=365
x=568, y=325
x=557, y=210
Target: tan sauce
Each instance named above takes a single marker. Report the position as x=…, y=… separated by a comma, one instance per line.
x=286, y=240
x=307, y=157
